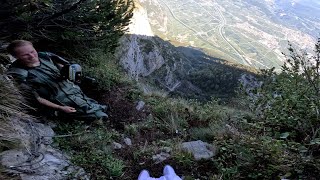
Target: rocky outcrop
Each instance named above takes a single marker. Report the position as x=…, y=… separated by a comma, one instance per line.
x=135, y=60
x=143, y=55
x=133, y=56
x=199, y=149
x=35, y=158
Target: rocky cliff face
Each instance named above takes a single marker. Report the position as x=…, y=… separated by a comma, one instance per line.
x=178, y=69
x=145, y=56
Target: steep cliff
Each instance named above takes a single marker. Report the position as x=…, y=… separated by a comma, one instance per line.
x=174, y=67
x=145, y=56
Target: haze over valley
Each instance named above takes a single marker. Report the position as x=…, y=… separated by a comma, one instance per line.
x=249, y=32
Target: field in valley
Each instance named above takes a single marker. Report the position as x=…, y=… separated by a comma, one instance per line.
x=244, y=31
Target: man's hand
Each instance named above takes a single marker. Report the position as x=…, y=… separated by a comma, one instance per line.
x=67, y=109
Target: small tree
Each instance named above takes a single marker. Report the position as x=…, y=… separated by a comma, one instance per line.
x=289, y=102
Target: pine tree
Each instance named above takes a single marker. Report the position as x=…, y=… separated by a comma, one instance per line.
x=65, y=21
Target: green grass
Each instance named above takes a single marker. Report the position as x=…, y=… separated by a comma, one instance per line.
x=102, y=166
x=91, y=149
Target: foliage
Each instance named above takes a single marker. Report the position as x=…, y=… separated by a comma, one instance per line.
x=289, y=101
x=103, y=67
x=193, y=119
x=102, y=165
x=65, y=23
x=169, y=114
x=91, y=150
x=184, y=158
x=286, y=109
x=218, y=79
x=252, y=158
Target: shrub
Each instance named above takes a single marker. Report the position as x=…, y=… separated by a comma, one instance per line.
x=286, y=109
x=290, y=101
x=103, y=67
x=91, y=149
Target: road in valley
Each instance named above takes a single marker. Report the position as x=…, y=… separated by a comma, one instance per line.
x=221, y=25
x=187, y=26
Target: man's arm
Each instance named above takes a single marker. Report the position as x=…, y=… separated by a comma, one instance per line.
x=66, y=109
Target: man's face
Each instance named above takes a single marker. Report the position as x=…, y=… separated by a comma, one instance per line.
x=27, y=54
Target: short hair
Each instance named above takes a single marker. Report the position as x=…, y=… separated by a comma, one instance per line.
x=17, y=43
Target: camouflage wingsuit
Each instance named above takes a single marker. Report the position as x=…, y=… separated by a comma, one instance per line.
x=46, y=81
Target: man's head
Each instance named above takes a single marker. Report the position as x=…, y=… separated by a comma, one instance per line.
x=24, y=52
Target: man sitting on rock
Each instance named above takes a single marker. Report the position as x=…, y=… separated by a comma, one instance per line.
x=39, y=74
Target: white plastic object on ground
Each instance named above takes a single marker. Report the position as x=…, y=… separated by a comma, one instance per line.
x=168, y=174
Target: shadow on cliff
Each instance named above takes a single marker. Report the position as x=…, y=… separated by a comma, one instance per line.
x=184, y=70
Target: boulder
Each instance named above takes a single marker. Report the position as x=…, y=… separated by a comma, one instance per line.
x=116, y=146
x=158, y=158
x=199, y=149
x=127, y=141
x=140, y=105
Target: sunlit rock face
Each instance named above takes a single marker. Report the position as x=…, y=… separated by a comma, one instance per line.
x=135, y=60
x=143, y=55
x=139, y=22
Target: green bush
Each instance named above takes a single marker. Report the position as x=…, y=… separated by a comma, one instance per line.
x=286, y=109
x=252, y=158
x=103, y=67
x=289, y=102
x=102, y=165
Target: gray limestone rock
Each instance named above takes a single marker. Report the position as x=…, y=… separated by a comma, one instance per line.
x=232, y=130
x=199, y=149
x=158, y=158
x=36, y=159
x=127, y=141
x=166, y=149
x=116, y=146
x=140, y=105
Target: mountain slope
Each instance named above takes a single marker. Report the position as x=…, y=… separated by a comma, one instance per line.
x=248, y=32
x=177, y=69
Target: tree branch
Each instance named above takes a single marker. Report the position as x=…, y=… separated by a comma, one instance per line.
x=65, y=11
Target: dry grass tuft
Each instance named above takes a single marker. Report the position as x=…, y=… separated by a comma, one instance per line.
x=11, y=106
